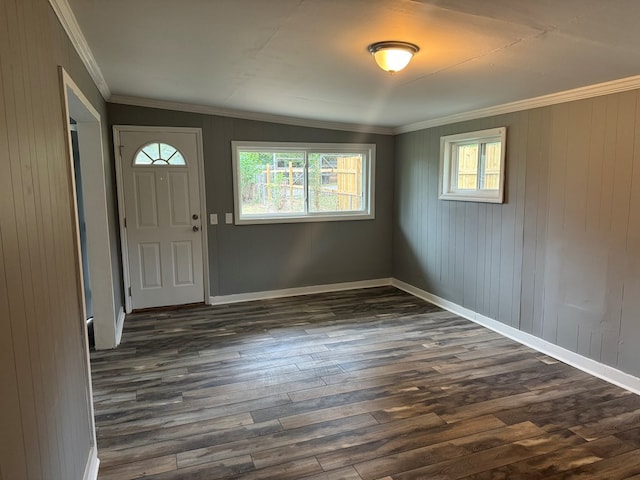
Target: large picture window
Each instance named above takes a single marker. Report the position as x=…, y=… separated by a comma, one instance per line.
x=472, y=166
x=295, y=182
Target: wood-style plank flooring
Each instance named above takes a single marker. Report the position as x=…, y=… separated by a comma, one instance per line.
x=358, y=385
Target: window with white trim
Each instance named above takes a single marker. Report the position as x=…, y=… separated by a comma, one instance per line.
x=302, y=182
x=472, y=166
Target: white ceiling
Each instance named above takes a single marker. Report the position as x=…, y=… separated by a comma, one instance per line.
x=308, y=59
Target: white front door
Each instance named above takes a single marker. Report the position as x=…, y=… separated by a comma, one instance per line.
x=161, y=189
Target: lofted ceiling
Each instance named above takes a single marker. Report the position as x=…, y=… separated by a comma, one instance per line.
x=308, y=59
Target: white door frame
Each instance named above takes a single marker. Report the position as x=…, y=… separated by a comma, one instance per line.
x=107, y=322
x=75, y=105
x=121, y=206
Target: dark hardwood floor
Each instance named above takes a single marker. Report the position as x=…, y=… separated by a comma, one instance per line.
x=366, y=384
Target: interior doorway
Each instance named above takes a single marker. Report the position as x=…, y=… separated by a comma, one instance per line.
x=107, y=321
x=82, y=228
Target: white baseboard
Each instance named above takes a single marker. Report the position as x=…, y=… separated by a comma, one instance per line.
x=119, y=326
x=93, y=464
x=600, y=370
x=292, y=292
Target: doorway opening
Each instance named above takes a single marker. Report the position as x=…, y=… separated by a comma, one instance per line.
x=107, y=322
x=82, y=230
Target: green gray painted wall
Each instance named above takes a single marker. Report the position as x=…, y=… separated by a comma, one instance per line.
x=255, y=258
x=560, y=259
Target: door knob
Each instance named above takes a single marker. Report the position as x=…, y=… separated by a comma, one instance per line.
x=196, y=228
x=195, y=216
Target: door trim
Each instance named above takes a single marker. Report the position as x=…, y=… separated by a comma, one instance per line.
x=92, y=162
x=75, y=104
x=117, y=129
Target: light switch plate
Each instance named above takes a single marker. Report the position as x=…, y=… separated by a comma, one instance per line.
x=228, y=218
x=213, y=218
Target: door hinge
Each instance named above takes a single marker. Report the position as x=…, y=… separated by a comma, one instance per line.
x=129, y=291
x=120, y=147
x=125, y=222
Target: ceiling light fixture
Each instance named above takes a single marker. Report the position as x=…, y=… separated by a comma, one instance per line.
x=392, y=56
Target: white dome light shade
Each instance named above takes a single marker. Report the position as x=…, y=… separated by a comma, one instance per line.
x=393, y=56
x=393, y=59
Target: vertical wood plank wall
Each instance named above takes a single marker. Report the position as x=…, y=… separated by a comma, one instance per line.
x=44, y=415
x=560, y=259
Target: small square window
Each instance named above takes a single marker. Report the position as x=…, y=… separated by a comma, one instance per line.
x=472, y=166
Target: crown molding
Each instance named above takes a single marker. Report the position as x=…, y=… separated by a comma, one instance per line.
x=590, y=91
x=599, y=89
x=68, y=20
x=245, y=115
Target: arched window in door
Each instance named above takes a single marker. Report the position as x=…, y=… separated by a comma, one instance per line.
x=159, y=154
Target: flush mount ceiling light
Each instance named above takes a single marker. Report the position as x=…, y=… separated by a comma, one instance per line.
x=392, y=56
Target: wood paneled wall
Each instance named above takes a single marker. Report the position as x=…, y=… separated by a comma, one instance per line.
x=560, y=259
x=254, y=258
x=45, y=428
